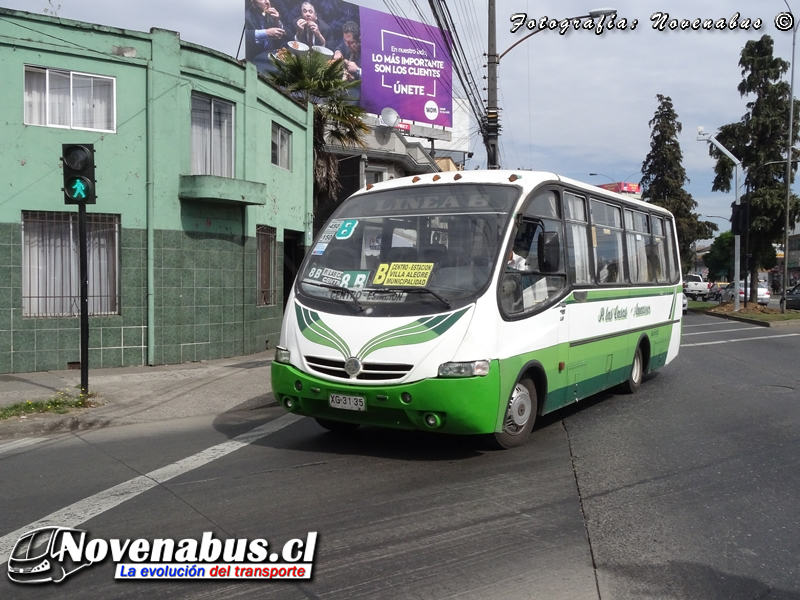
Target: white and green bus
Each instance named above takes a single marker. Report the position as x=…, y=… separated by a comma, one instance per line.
x=472, y=302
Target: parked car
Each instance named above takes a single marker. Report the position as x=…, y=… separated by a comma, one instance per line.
x=715, y=291
x=686, y=303
x=695, y=287
x=793, y=298
x=763, y=293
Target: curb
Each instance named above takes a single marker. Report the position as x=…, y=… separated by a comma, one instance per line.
x=787, y=323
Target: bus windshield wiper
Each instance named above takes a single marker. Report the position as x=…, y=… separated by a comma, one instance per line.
x=338, y=288
x=420, y=290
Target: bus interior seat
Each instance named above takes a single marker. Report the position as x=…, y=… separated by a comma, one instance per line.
x=435, y=253
x=401, y=254
x=341, y=259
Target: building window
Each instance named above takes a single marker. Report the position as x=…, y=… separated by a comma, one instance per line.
x=212, y=136
x=281, y=147
x=56, y=98
x=375, y=175
x=51, y=268
x=266, y=239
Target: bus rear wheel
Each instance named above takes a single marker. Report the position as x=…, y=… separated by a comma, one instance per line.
x=337, y=426
x=636, y=374
x=519, y=418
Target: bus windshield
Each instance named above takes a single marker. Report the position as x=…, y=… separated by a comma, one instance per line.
x=408, y=251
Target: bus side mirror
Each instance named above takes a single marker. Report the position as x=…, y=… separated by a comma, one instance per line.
x=549, y=252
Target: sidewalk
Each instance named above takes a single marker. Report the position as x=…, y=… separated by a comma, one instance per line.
x=141, y=394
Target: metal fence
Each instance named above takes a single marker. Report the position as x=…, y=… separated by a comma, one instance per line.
x=266, y=238
x=50, y=264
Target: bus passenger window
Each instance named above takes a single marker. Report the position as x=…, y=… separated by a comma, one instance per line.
x=607, y=241
x=577, y=239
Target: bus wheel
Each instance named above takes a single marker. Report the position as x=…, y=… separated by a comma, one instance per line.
x=520, y=416
x=337, y=426
x=637, y=371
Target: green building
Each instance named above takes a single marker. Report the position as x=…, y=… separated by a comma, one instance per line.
x=204, y=189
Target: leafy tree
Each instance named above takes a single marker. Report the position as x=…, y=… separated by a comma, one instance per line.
x=759, y=141
x=719, y=258
x=312, y=77
x=663, y=178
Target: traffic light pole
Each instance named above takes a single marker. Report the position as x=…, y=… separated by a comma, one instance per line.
x=84, y=275
x=79, y=188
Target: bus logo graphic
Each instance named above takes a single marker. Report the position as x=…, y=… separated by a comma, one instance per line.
x=352, y=366
x=39, y=556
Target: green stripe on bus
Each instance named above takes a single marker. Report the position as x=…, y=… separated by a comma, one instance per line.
x=618, y=294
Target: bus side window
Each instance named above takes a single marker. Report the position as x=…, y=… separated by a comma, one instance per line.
x=577, y=240
x=607, y=240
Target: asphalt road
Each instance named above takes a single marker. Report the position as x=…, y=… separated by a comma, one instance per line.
x=685, y=490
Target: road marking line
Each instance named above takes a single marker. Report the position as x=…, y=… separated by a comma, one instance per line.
x=17, y=444
x=723, y=330
x=83, y=510
x=760, y=337
x=708, y=324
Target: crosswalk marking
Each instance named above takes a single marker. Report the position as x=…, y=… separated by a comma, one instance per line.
x=88, y=508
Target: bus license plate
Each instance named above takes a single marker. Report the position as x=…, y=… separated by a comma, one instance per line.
x=347, y=402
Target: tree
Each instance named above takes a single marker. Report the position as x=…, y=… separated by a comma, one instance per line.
x=312, y=77
x=759, y=141
x=663, y=178
x=719, y=258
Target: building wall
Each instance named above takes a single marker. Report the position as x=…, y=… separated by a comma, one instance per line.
x=199, y=274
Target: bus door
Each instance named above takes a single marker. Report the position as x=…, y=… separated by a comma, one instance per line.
x=533, y=289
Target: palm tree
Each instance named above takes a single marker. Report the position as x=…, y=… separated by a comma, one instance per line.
x=313, y=77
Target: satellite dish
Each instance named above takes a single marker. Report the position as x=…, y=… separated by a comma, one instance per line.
x=389, y=117
x=383, y=135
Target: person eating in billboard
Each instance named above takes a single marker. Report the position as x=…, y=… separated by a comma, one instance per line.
x=264, y=32
x=350, y=50
x=311, y=30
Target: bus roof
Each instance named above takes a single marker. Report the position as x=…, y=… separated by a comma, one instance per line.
x=527, y=180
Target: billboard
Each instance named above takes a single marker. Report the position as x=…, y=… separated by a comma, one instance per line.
x=401, y=64
x=623, y=187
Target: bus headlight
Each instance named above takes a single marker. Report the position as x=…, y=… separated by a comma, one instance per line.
x=282, y=355
x=464, y=369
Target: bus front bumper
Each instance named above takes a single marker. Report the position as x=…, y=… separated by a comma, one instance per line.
x=468, y=405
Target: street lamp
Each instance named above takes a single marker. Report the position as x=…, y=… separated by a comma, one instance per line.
x=615, y=182
x=702, y=136
x=788, y=172
x=492, y=131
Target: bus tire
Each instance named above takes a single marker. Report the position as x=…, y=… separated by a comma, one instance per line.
x=636, y=374
x=519, y=418
x=337, y=426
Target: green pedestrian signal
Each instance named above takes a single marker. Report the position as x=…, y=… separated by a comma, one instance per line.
x=77, y=189
x=78, y=167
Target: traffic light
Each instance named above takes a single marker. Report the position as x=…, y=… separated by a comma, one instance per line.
x=738, y=225
x=78, y=167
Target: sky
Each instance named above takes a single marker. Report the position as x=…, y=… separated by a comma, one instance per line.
x=573, y=104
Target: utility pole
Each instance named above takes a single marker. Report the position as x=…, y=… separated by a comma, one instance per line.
x=492, y=131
